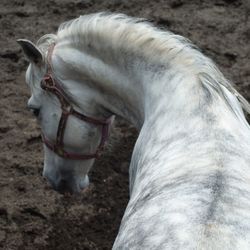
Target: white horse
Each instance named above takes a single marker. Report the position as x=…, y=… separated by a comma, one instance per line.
x=190, y=168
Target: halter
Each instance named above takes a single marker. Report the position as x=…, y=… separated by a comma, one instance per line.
x=48, y=83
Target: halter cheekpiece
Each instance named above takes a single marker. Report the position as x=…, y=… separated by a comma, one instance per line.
x=50, y=84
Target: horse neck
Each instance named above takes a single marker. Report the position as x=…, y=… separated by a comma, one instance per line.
x=182, y=121
x=132, y=88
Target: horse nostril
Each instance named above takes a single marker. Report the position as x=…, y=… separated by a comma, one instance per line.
x=49, y=179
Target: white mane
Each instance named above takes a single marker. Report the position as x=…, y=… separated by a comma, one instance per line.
x=109, y=35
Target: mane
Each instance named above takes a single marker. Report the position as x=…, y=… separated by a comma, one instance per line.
x=117, y=32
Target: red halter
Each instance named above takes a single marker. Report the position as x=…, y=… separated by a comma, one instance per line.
x=50, y=84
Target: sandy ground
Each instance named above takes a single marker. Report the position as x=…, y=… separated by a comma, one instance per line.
x=32, y=216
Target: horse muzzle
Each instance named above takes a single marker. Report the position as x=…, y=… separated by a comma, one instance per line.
x=66, y=185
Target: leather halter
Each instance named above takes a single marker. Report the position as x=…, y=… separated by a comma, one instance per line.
x=48, y=83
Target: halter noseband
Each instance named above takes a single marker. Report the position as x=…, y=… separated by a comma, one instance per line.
x=48, y=83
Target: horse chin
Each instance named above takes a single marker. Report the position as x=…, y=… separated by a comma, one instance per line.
x=76, y=188
x=84, y=183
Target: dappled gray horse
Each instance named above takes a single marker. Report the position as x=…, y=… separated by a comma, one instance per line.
x=190, y=168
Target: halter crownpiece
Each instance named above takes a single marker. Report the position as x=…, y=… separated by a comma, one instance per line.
x=50, y=84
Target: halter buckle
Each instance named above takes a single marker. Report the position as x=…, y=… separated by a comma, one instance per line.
x=60, y=152
x=47, y=82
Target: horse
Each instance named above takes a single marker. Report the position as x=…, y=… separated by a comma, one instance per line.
x=189, y=176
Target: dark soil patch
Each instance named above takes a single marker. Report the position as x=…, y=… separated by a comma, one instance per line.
x=32, y=216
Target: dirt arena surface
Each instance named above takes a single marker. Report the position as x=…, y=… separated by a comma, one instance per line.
x=32, y=216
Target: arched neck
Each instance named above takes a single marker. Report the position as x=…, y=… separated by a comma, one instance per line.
x=133, y=88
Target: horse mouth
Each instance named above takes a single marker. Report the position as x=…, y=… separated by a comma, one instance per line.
x=68, y=185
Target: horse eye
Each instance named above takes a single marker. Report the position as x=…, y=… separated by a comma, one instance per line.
x=35, y=111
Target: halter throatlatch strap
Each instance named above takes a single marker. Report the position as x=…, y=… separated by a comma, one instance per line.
x=51, y=85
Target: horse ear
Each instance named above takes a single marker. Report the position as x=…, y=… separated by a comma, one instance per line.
x=31, y=51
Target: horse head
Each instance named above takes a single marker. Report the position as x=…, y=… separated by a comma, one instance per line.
x=72, y=140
